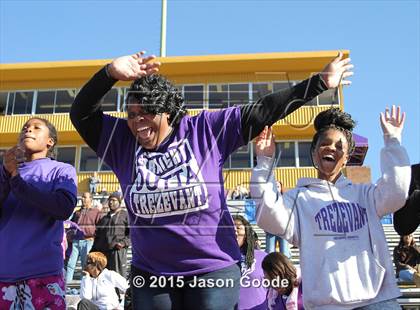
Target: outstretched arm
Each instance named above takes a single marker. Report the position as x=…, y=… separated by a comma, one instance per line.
x=407, y=219
x=391, y=190
x=271, y=108
x=86, y=112
x=274, y=212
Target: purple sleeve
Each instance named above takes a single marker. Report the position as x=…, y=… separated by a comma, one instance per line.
x=4, y=185
x=227, y=130
x=75, y=232
x=58, y=203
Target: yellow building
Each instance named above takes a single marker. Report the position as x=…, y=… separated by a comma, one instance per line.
x=47, y=90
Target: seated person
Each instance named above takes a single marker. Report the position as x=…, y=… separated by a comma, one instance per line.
x=406, y=257
x=278, y=266
x=97, y=288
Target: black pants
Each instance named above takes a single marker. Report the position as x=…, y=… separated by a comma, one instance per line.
x=185, y=292
x=117, y=261
x=86, y=304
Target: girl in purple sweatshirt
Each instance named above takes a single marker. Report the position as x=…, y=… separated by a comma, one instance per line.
x=37, y=194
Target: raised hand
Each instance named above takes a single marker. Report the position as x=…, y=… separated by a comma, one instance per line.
x=129, y=68
x=265, y=145
x=336, y=71
x=392, y=123
x=11, y=159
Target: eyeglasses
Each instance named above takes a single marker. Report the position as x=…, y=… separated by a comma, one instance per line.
x=134, y=115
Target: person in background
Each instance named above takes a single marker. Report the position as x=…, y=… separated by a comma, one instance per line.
x=250, y=296
x=94, y=182
x=97, y=288
x=282, y=295
x=112, y=235
x=406, y=257
x=72, y=232
x=87, y=218
x=37, y=193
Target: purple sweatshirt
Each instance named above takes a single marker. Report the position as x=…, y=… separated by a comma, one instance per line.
x=175, y=194
x=33, y=207
x=251, y=296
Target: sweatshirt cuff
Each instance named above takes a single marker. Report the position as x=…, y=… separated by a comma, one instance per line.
x=110, y=78
x=15, y=181
x=392, y=139
x=4, y=175
x=322, y=82
x=264, y=162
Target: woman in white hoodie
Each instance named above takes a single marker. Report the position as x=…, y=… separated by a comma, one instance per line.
x=344, y=255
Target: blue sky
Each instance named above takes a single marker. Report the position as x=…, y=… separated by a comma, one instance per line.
x=382, y=36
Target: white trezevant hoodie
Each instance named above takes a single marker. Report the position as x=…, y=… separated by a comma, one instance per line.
x=344, y=255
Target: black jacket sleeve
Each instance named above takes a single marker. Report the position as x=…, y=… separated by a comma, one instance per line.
x=407, y=218
x=269, y=109
x=86, y=113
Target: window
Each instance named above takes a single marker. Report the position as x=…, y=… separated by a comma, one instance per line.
x=281, y=85
x=312, y=102
x=123, y=99
x=45, y=102
x=218, y=96
x=241, y=158
x=238, y=94
x=304, y=149
x=3, y=103
x=193, y=96
x=259, y=90
x=110, y=100
x=285, y=154
x=66, y=155
x=90, y=162
x=20, y=102
x=328, y=97
x=228, y=95
x=64, y=100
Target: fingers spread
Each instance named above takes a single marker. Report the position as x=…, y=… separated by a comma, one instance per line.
x=386, y=113
x=345, y=82
x=347, y=74
x=338, y=58
x=393, y=112
x=402, y=119
x=344, y=61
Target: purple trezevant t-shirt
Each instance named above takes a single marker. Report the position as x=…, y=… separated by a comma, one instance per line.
x=180, y=224
x=30, y=238
x=253, y=294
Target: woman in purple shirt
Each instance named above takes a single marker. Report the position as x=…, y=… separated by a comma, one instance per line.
x=36, y=194
x=285, y=293
x=169, y=166
x=252, y=294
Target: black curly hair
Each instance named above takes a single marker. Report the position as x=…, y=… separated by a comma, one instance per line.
x=249, y=242
x=157, y=95
x=334, y=118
